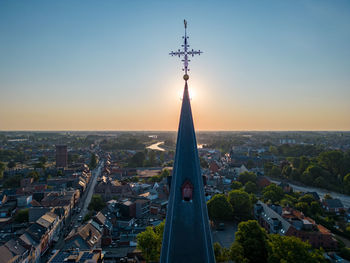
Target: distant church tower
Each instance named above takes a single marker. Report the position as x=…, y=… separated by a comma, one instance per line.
x=187, y=236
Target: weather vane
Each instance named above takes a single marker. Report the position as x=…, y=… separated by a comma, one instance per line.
x=185, y=53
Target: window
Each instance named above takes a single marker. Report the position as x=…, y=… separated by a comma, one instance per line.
x=187, y=191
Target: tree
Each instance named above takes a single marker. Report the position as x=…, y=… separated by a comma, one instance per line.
x=286, y=171
x=332, y=161
x=292, y=249
x=96, y=203
x=311, y=173
x=219, y=208
x=236, y=185
x=2, y=169
x=150, y=242
x=347, y=183
x=327, y=196
x=93, y=161
x=246, y=177
x=88, y=216
x=151, y=160
x=294, y=174
x=222, y=254
x=251, y=187
x=137, y=160
x=241, y=204
x=315, y=208
x=34, y=175
x=308, y=198
x=22, y=216
x=303, y=164
x=303, y=207
x=275, y=172
x=273, y=193
x=147, y=242
x=250, y=243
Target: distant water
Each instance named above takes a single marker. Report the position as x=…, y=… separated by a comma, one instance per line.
x=155, y=147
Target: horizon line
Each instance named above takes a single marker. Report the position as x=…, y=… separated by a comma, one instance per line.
x=2, y=131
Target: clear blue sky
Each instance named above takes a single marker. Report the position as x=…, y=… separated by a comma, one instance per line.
x=95, y=65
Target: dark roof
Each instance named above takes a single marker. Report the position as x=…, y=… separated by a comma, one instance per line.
x=36, y=231
x=15, y=247
x=187, y=236
x=333, y=203
x=269, y=214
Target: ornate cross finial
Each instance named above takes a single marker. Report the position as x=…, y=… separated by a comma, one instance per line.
x=185, y=53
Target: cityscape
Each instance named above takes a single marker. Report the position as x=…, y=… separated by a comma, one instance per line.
x=130, y=134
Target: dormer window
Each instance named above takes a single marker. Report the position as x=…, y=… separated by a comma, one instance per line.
x=187, y=191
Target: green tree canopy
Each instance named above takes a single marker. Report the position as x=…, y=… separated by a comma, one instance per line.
x=93, y=161
x=96, y=203
x=246, y=177
x=137, y=160
x=150, y=242
x=292, y=249
x=236, y=185
x=275, y=172
x=22, y=216
x=219, y=208
x=250, y=243
x=273, y=193
x=347, y=183
x=222, y=254
x=251, y=187
x=34, y=174
x=241, y=204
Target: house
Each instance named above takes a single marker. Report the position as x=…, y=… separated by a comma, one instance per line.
x=214, y=166
x=109, y=188
x=78, y=256
x=291, y=222
x=13, y=251
x=263, y=181
x=87, y=236
x=107, y=228
x=150, y=195
x=52, y=223
x=333, y=205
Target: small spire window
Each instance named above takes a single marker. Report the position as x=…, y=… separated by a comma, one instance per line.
x=187, y=191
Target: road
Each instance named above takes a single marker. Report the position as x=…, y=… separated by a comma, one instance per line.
x=345, y=199
x=89, y=192
x=83, y=205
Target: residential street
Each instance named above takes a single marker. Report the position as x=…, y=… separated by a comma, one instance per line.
x=83, y=205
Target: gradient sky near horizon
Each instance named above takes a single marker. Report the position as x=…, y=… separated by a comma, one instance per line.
x=104, y=65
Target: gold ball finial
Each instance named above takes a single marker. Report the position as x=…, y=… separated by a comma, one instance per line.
x=186, y=77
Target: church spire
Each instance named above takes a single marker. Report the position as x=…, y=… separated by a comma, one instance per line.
x=187, y=236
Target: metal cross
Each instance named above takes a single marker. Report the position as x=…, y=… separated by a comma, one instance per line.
x=185, y=53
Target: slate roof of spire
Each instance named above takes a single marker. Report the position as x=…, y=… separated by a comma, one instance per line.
x=187, y=236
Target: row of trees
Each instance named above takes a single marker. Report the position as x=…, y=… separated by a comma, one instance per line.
x=330, y=170
x=146, y=158
x=253, y=245
x=238, y=204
